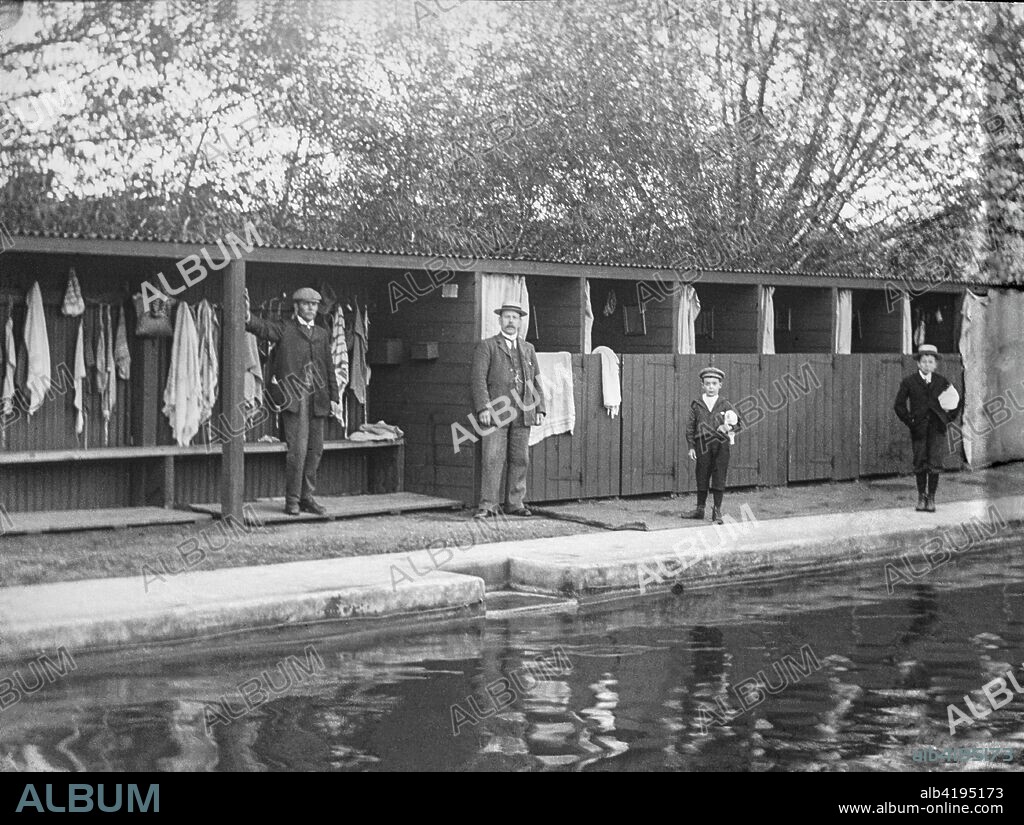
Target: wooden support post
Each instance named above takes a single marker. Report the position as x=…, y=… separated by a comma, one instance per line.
x=168, y=462
x=582, y=300
x=834, y=321
x=233, y=390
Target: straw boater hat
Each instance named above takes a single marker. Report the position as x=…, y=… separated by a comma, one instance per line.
x=511, y=306
x=712, y=372
x=927, y=349
x=306, y=294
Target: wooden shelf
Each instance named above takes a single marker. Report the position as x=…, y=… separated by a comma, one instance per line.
x=170, y=451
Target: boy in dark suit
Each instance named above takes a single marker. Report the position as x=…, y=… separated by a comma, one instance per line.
x=709, y=434
x=927, y=419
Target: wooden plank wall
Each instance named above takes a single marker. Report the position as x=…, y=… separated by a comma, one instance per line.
x=609, y=330
x=885, y=441
x=734, y=310
x=770, y=415
x=601, y=435
x=742, y=373
x=845, y=436
x=556, y=463
x=807, y=418
x=425, y=398
x=807, y=386
x=877, y=325
x=555, y=314
x=812, y=320
x=649, y=418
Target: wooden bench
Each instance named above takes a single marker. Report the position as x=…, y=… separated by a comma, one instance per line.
x=389, y=473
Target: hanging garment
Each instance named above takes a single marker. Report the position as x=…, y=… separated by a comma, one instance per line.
x=588, y=320
x=253, y=378
x=37, y=347
x=767, y=318
x=360, y=370
x=339, y=357
x=207, y=328
x=74, y=304
x=108, y=398
x=610, y=304
x=844, y=322
x=555, y=376
x=496, y=290
x=182, y=395
x=122, y=355
x=686, y=317
x=10, y=367
x=611, y=391
x=100, y=356
x=919, y=332
x=906, y=327
x=80, y=374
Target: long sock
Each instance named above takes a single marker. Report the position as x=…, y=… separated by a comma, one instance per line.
x=933, y=484
x=922, y=481
x=702, y=498
x=718, y=498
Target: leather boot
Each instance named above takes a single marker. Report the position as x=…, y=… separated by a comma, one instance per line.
x=929, y=504
x=697, y=513
x=716, y=515
x=922, y=503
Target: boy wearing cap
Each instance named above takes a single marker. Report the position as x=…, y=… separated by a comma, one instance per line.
x=919, y=406
x=709, y=431
x=507, y=400
x=303, y=368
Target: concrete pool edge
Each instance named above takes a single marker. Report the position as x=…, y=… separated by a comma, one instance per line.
x=111, y=614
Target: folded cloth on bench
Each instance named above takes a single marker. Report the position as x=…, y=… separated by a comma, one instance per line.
x=555, y=375
x=376, y=432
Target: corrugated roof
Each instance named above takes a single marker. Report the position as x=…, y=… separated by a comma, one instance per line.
x=413, y=250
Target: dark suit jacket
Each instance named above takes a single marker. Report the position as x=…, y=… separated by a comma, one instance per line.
x=493, y=377
x=704, y=423
x=295, y=356
x=923, y=401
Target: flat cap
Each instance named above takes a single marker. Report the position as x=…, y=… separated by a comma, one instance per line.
x=306, y=294
x=712, y=372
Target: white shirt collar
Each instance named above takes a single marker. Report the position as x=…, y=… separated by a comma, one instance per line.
x=927, y=378
x=510, y=341
x=307, y=324
x=709, y=402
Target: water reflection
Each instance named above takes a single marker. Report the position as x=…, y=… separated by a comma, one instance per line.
x=641, y=680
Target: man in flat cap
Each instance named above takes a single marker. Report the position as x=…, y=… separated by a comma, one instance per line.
x=926, y=402
x=507, y=401
x=709, y=433
x=303, y=370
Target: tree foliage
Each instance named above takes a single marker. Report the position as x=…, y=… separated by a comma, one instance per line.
x=804, y=135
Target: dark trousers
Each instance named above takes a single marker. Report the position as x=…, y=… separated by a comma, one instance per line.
x=508, y=445
x=712, y=463
x=929, y=448
x=304, y=433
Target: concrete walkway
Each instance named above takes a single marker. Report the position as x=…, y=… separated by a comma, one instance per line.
x=449, y=583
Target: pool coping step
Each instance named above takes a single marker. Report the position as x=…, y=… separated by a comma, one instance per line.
x=420, y=589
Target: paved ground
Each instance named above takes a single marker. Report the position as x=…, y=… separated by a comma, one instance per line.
x=43, y=559
x=664, y=512
x=330, y=595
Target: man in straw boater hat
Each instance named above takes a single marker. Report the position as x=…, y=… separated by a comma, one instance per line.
x=709, y=433
x=932, y=402
x=507, y=400
x=303, y=370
